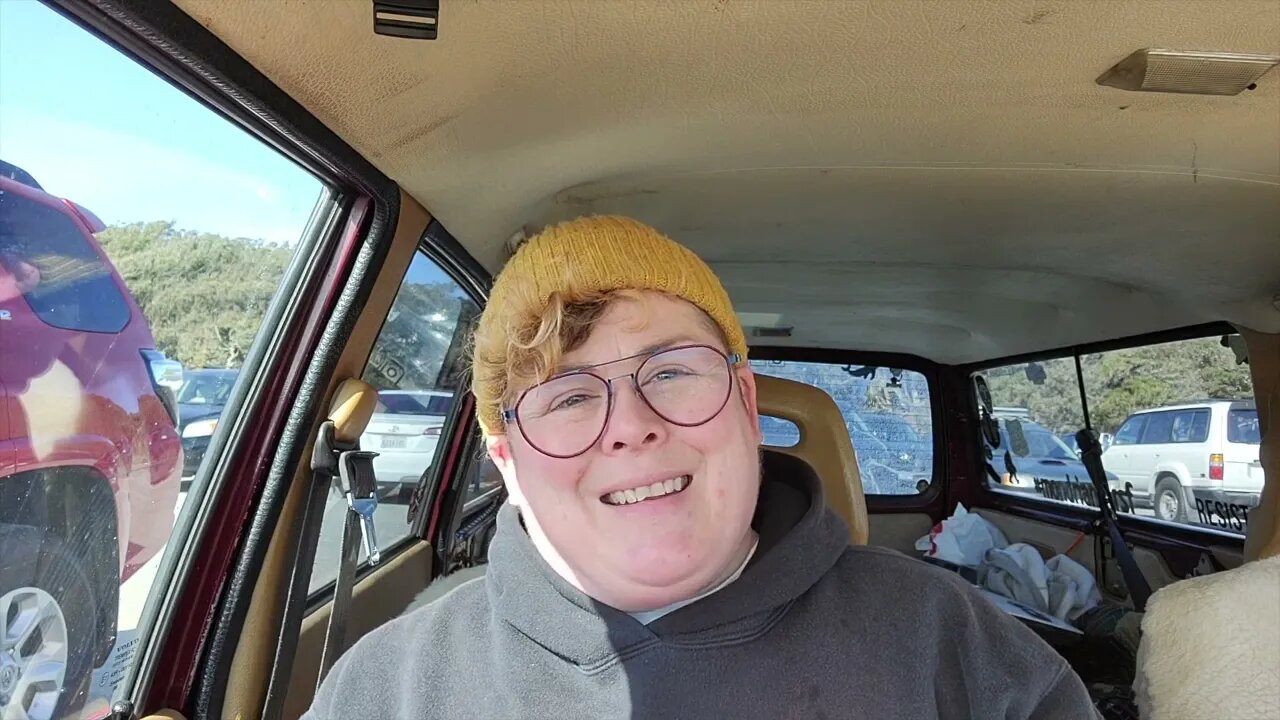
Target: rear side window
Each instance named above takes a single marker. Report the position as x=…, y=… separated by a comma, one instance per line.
x=1191, y=426
x=1242, y=427
x=888, y=413
x=1150, y=406
x=1159, y=429
x=64, y=281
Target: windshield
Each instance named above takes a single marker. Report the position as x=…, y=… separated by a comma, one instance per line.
x=207, y=389
x=414, y=404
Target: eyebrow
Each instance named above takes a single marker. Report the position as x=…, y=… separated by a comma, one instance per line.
x=649, y=349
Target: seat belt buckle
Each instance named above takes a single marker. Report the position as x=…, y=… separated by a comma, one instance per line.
x=358, y=484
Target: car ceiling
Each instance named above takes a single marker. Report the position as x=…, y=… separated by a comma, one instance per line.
x=939, y=178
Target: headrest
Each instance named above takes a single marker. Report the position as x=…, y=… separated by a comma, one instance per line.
x=824, y=445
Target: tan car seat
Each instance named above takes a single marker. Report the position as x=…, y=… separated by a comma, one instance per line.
x=824, y=444
x=1211, y=645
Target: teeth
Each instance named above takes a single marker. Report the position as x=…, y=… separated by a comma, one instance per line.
x=658, y=489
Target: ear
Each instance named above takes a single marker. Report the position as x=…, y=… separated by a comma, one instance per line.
x=747, y=382
x=499, y=448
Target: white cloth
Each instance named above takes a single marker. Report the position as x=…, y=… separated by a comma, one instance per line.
x=962, y=539
x=1060, y=587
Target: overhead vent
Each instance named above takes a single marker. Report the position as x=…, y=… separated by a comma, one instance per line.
x=414, y=19
x=1199, y=73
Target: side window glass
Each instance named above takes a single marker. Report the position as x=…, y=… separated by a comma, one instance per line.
x=416, y=366
x=1166, y=415
x=888, y=413
x=1129, y=433
x=1159, y=429
x=142, y=239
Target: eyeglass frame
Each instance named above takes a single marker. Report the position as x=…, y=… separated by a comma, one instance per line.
x=511, y=415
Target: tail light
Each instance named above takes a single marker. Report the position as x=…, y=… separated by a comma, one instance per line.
x=1215, y=466
x=433, y=431
x=166, y=379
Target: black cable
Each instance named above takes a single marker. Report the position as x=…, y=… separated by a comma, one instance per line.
x=1084, y=397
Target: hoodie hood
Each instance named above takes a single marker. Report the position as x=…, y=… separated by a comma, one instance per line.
x=800, y=540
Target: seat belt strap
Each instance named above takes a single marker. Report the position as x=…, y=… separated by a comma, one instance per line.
x=1134, y=580
x=324, y=469
x=358, y=485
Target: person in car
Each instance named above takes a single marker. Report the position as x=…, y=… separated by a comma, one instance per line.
x=643, y=567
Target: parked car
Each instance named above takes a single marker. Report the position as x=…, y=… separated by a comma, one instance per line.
x=203, y=394
x=404, y=431
x=90, y=456
x=1032, y=459
x=1194, y=462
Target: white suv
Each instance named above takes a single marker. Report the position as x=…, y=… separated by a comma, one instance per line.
x=1195, y=462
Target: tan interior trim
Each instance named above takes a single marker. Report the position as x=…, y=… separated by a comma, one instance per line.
x=255, y=648
x=824, y=444
x=1262, y=539
x=165, y=715
x=381, y=596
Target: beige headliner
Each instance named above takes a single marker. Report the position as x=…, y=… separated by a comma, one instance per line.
x=943, y=178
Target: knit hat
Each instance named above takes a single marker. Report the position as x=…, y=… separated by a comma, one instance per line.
x=593, y=254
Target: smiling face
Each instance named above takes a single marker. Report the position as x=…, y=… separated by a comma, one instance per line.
x=643, y=554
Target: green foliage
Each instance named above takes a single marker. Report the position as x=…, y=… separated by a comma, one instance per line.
x=1121, y=382
x=204, y=295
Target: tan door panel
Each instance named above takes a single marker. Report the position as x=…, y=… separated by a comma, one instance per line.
x=899, y=531
x=1052, y=540
x=376, y=599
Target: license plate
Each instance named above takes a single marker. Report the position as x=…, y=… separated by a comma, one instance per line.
x=394, y=442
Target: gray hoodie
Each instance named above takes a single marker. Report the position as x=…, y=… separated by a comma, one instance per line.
x=813, y=628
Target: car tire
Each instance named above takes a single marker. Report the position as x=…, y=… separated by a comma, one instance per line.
x=47, y=605
x=1170, y=501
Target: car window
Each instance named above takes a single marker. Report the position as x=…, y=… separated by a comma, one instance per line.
x=1129, y=433
x=1164, y=461
x=49, y=253
x=888, y=413
x=1159, y=429
x=143, y=237
x=1190, y=426
x=1243, y=427
x=417, y=367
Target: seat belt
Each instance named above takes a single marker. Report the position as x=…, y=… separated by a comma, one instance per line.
x=1134, y=580
x=357, y=483
x=335, y=459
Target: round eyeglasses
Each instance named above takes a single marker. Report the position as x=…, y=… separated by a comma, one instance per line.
x=566, y=415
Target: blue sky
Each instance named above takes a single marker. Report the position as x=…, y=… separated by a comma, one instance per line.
x=93, y=126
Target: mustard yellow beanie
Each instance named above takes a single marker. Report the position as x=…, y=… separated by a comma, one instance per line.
x=590, y=254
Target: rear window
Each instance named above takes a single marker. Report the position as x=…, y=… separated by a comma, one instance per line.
x=412, y=404
x=888, y=413
x=63, y=280
x=1242, y=427
x=1191, y=426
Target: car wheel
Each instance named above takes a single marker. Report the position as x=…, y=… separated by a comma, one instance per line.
x=1170, y=502
x=48, y=626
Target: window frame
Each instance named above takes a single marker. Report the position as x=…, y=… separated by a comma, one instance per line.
x=190, y=631
x=1164, y=537
x=1141, y=418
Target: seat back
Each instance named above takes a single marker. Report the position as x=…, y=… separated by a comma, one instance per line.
x=1211, y=645
x=824, y=444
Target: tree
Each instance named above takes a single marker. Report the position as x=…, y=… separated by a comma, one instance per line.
x=204, y=295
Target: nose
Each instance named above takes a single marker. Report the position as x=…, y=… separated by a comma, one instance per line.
x=632, y=424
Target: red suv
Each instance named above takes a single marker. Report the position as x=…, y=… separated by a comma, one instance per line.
x=90, y=460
